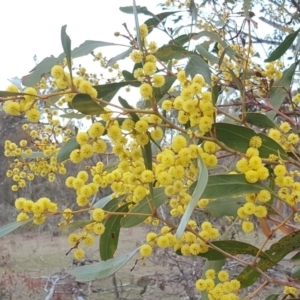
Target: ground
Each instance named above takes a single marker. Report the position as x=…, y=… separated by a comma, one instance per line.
x=27, y=260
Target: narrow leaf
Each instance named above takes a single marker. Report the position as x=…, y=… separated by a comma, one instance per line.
x=200, y=187
x=86, y=105
x=280, y=89
x=225, y=207
x=226, y=185
x=65, y=151
x=259, y=120
x=12, y=94
x=73, y=115
x=273, y=297
x=75, y=225
x=140, y=10
x=159, y=197
x=168, y=52
x=125, y=104
x=66, y=44
x=118, y=57
x=283, y=47
x=4, y=230
x=161, y=92
x=197, y=65
x=237, y=137
x=206, y=54
x=277, y=252
x=105, y=202
x=102, y=269
x=33, y=155
x=110, y=238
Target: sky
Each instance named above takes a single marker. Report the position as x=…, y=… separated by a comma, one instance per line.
x=32, y=27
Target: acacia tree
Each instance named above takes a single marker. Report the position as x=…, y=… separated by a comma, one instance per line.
x=207, y=91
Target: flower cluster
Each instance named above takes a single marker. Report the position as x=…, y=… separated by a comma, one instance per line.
x=224, y=290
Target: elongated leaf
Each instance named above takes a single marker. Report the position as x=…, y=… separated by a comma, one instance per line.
x=200, y=186
x=153, y=22
x=110, y=167
x=283, y=47
x=226, y=185
x=66, y=149
x=34, y=155
x=105, y=202
x=225, y=207
x=280, y=89
x=73, y=115
x=143, y=207
x=75, y=225
x=237, y=137
x=168, y=52
x=234, y=248
x=181, y=40
x=102, y=269
x=110, y=238
x=4, y=230
x=216, y=89
x=159, y=93
x=296, y=272
x=276, y=252
x=296, y=258
x=46, y=64
x=215, y=265
x=12, y=94
x=86, y=105
x=66, y=44
x=206, y=54
x=215, y=37
x=259, y=120
x=140, y=10
x=273, y=297
x=118, y=57
x=125, y=104
x=197, y=65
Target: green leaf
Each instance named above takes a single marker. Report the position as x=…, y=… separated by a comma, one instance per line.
x=273, y=297
x=197, y=65
x=216, y=265
x=200, y=186
x=34, y=155
x=296, y=272
x=259, y=120
x=277, y=252
x=65, y=151
x=4, y=230
x=280, y=89
x=283, y=47
x=46, y=64
x=206, y=54
x=12, y=94
x=234, y=248
x=107, y=202
x=66, y=44
x=125, y=104
x=296, y=258
x=225, y=207
x=216, y=89
x=88, y=46
x=102, y=269
x=168, y=52
x=226, y=185
x=181, y=40
x=159, y=93
x=86, y=105
x=75, y=225
x=140, y=10
x=119, y=57
x=109, y=239
x=215, y=37
x=73, y=115
x=110, y=167
x=153, y=22
x=143, y=207
x=238, y=137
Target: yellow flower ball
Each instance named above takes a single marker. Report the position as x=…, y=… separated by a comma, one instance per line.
x=146, y=250
x=146, y=90
x=158, y=81
x=247, y=226
x=149, y=68
x=251, y=176
x=98, y=214
x=79, y=254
